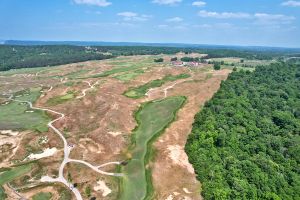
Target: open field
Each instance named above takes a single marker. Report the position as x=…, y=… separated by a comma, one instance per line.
x=102, y=126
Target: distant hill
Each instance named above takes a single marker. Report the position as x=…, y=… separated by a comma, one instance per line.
x=178, y=45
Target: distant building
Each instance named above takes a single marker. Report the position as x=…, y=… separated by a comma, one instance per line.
x=187, y=64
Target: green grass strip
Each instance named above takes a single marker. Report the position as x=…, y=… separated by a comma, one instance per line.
x=152, y=118
x=140, y=91
x=10, y=175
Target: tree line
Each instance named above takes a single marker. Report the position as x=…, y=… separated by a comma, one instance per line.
x=245, y=143
x=14, y=57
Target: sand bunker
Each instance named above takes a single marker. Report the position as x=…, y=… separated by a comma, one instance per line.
x=186, y=191
x=101, y=186
x=9, y=132
x=179, y=157
x=114, y=133
x=46, y=153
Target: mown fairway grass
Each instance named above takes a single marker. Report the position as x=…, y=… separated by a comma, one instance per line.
x=7, y=176
x=76, y=74
x=130, y=75
x=42, y=196
x=13, y=116
x=117, y=70
x=153, y=117
x=126, y=66
x=140, y=91
x=60, y=99
x=2, y=193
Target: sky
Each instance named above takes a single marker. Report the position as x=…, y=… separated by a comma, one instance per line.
x=222, y=22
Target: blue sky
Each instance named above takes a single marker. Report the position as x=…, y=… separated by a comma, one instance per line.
x=228, y=22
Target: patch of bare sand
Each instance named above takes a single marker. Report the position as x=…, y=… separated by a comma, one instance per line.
x=9, y=132
x=9, y=143
x=179, y=157
x=101, y=186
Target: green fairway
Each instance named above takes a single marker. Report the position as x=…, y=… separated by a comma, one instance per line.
x=42, y=196
x=7, y=176
x=153, y=118
x=140, y=91
x=125, y=67
x=129, y=76
x=60, y=99
x=29, y=95
x=77, y=74
x=117, y=70
x=2, y=193
x=17, y=115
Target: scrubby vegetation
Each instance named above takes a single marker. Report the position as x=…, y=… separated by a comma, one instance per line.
x=158, y=60
x=42, y=196
x=245, y=142
x=217, y=67
x=174, y=59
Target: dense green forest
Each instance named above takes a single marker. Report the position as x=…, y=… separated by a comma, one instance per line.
x=245, y=142
x=14, y=57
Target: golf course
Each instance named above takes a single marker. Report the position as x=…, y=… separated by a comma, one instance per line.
x=152, y=117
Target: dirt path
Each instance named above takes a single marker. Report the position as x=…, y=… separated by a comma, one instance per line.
x=92, y=86
x=67, y=150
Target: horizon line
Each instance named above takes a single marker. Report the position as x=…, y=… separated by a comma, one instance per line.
x=2, y=42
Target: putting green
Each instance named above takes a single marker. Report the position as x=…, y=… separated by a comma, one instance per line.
x=18, y=116
x=153, y=118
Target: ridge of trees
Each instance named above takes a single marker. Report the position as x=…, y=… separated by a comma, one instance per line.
x=14, y=56
x=245, y=143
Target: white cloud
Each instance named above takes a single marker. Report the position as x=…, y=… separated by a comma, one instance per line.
x=223, y=15
x=199, y=3
x=163, y=26
x=127, y=14
x=131, y=16
x=214, y=26
x=271, y=19
x=174, y=19
x=168, y=27
x=291, y=3
x=260, y=18
x=166, y=2
x=101, y=3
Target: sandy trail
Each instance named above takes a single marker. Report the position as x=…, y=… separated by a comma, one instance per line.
x=164, y=89
x=85, y=90
x=67, y=150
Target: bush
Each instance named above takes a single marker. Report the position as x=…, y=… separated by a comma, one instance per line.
x=217, y=66
x=159, y=60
